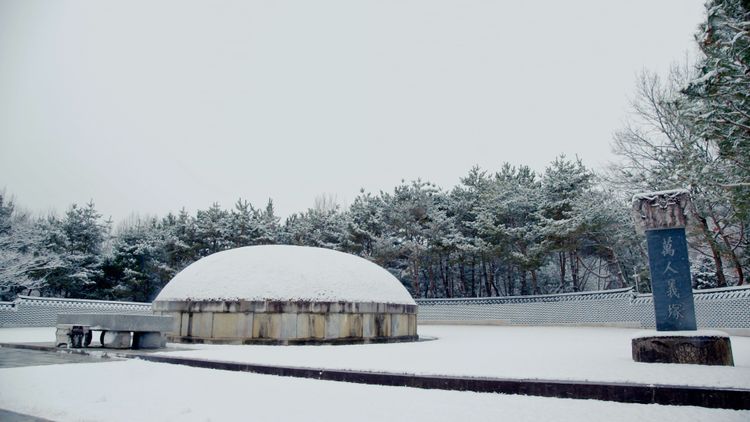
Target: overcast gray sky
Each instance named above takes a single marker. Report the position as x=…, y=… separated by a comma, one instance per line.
x=149, y=106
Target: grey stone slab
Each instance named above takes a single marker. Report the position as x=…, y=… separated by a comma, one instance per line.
x=288, y=326
x=117, y=339
x=118, y=322
x=332, y=326
x=149, y=341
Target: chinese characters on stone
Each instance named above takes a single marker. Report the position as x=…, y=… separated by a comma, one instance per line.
x=675, y=310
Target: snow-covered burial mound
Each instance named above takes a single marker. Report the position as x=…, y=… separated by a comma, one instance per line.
x=286, y=294
x=282, y=273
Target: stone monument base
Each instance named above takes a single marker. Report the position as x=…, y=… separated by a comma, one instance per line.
x=695, y=347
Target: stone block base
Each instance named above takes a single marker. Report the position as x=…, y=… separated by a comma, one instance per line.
x=700, y=350
x=153, y=340
x=289, y=322
x=72, y=336
x=116, y=339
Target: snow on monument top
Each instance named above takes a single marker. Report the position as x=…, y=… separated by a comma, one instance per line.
x=651, y=195
x=285, y=273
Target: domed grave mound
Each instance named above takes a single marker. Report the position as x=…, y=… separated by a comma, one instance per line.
x=287, y=295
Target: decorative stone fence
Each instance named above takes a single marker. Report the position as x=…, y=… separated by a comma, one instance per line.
x=715, y=308
x=293, y=322
x=29, y=311
x=725, y=308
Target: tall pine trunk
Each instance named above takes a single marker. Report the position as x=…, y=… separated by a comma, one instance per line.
x=563, y=265
x=415, y=277
x=732, y=255
x=721, y=281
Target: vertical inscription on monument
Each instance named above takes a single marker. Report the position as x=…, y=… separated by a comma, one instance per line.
x=670, y=279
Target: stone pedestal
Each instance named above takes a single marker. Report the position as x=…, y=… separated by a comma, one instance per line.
x=72, y=336
x=696, y=349
x=149, y=340
x=116, y=339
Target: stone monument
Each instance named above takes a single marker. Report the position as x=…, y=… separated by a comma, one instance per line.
x=663, y=218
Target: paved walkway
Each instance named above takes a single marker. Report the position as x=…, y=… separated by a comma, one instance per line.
x=8, y=416
x=14, y=358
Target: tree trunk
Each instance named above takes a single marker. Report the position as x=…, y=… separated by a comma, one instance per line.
x=508, y=280
x=415, y=277
x=721, y=281
x=492, y=278
x=732, y=254
x=534, y=283
x=463, y=282
x=487, y=285
x=563, y=266
x=614, y=267
x=447, y=279
x=431, y=288
x=474, y=292
x=574, y=270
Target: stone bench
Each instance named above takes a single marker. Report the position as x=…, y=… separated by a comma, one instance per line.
x=118, y=331
x=72, y=336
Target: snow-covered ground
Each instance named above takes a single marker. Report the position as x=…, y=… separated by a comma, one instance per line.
x=595, y=354
x=136, y=390
x=27, y=335
x=566, y=353
x=143, y=391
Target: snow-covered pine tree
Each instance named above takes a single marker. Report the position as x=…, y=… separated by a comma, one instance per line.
x=268, y=225
x=77, y=239
x=212, y=230
x=139, y=257
x=565, y=182
x=364, y=225
x=25, y=259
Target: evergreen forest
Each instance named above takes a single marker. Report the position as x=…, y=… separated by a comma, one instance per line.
x=498, y=232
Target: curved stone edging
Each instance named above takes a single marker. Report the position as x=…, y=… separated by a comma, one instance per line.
x=722, y=398
x=293, y=342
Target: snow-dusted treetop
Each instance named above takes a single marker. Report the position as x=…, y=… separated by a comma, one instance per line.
x=283, y=273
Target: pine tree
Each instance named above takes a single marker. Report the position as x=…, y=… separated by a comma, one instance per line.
x=268, y=225
x=78, y=238
x=139, y=257
x=719, y=97
x=212, y=230
x=25, y=259
x=564, y=184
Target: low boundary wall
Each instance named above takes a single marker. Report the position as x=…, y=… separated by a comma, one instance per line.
x=726, y=308
x=29, y=311
x=715, y=308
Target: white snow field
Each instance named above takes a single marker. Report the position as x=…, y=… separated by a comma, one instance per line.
x=136, y=390
x=143, y=391
x=565, y=353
